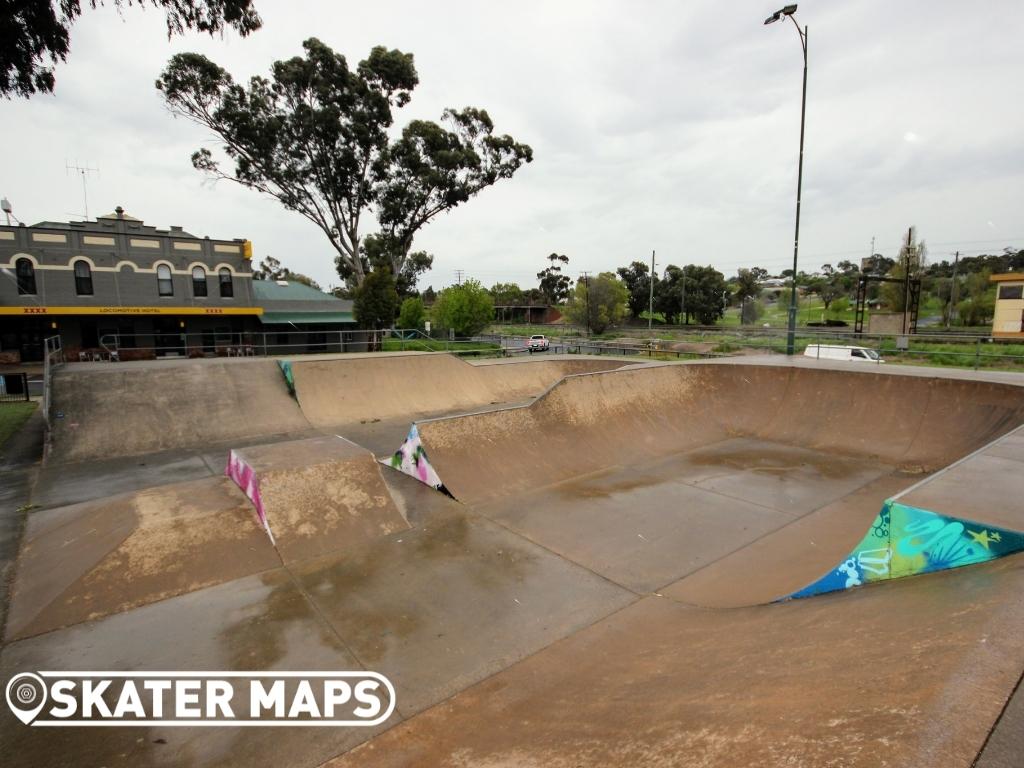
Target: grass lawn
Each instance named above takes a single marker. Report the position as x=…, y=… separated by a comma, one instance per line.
x=554, y=330
x=997, y=355
x=437, y=345
x=12, y=417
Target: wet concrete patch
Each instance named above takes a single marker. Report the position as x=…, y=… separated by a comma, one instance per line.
x=15, y=494
x=853, y=679
x=788, y=478
x=985, y=488
x=260, y=623
x=640, y=528
x=791, y=557
x=64, y=484
x=442, y=606
x=133, y=549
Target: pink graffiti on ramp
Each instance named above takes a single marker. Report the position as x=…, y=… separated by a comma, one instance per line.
x=245, y=478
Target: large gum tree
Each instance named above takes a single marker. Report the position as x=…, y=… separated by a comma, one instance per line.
x=315, y=136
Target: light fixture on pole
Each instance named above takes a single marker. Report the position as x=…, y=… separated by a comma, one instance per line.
x=788, y=11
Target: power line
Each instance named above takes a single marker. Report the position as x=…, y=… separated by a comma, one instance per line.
x=458, y=275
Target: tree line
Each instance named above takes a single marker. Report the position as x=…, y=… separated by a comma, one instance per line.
x=681, y=295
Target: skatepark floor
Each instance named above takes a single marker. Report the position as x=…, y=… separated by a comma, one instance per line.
x=617, y=617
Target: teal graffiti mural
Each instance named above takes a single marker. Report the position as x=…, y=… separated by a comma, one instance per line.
x=907, y=541
x=289, y=378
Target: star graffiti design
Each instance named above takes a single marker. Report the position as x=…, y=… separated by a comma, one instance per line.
x=984, y=537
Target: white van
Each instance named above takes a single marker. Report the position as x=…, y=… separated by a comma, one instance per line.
x=855, y=354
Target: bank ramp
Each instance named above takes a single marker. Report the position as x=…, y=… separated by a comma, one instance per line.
x=337, y=391
x=130, y=409
x=136, y=408
x=279, y=504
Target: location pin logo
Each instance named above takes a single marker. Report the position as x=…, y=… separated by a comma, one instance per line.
x=26, y=696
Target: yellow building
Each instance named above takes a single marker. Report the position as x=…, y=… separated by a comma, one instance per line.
x=1008, y=321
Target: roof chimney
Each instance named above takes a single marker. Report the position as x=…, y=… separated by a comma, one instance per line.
x=119, y=211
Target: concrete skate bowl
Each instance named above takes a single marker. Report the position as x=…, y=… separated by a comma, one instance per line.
x=339, y=391
x=649, y=476
x=138, y=408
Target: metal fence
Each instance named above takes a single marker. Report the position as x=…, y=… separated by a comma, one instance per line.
x=14, y=388
x=683, y=342
x=118, y=347
x=53, y=358
x=941, y=349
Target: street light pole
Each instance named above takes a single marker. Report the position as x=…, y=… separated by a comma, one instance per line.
x=788, y=11
x=650, y=305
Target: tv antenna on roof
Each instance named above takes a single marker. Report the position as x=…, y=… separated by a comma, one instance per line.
x=82, y=171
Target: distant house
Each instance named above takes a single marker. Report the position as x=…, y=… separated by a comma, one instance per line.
x=298, y=318
x=1008, y=321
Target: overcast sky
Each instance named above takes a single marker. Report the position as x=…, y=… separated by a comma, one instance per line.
x=668, y=125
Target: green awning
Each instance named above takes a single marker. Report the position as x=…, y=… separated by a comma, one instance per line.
x=305, y=318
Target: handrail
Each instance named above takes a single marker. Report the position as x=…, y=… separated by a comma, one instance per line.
x=53, y=358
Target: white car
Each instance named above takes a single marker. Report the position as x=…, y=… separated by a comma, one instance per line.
x=538, y=343
x=854, y=354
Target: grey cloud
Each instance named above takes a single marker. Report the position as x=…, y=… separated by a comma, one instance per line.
x=663, y=124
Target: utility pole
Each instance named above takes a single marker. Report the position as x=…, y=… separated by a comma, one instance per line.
x=906, y=278
x=586, y=283
x=682, y=299
x=650, y=306
x=458, y=275
x=82, y=171
x=953, y=291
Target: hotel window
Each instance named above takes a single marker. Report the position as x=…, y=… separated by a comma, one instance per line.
x=164, y=284
x=83, y=278
x=227, y=288
x=198, y=281
x=1011, y=291
x=26, y=274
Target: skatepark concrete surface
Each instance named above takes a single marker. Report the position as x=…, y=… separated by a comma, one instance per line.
x=104, y=410
x=602, y=589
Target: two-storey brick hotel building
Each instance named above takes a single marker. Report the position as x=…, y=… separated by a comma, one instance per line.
x=157, y=290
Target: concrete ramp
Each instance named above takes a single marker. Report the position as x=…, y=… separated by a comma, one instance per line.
x=136, y=408
x=316, y=496
x=340, y=391
x=102, y=557
x=98, y=558
x=590, y=422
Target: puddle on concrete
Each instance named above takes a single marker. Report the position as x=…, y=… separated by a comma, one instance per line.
x=606, y=485
x=777, y=460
